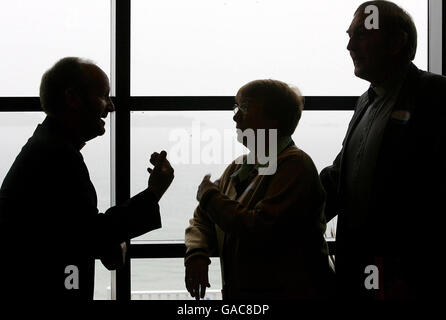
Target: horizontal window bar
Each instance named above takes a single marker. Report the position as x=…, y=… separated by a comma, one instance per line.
x=226, y=103
x=178, y=250
x=332, y=103
x=19, y=104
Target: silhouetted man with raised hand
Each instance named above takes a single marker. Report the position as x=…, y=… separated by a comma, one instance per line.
x=387, y=185
x=50, y=228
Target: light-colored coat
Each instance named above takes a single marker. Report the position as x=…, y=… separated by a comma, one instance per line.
x=270, y=240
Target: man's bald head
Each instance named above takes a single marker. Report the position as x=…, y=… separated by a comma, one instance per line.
x=69, y=73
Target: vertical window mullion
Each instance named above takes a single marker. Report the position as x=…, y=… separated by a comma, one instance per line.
x=120, y=148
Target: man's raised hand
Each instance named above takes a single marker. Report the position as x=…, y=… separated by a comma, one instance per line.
x=162, y=174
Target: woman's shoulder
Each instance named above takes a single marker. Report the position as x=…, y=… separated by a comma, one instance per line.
x=296, y=155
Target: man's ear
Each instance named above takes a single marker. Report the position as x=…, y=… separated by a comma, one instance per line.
x=72, y=99
x=398, y=43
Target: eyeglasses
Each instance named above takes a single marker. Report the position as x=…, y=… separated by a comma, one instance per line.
x=240, y=107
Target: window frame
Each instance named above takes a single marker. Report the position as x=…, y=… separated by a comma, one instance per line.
x=125, y=103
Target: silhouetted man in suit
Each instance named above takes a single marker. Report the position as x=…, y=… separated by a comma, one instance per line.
x=50, y=227
x=387, y=185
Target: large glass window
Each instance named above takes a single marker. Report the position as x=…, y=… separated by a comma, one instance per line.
x=201, y=48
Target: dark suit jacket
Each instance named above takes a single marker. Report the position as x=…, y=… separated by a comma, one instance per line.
x=402, y=233
x=49, y=220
